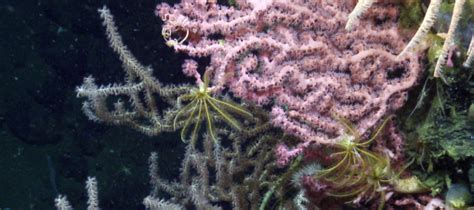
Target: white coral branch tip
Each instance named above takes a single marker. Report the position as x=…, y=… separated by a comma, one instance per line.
x=361, y=7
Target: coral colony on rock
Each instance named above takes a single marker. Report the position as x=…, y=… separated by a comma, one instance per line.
x=321, y=104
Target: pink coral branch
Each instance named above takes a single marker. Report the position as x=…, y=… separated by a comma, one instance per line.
x=284, y=154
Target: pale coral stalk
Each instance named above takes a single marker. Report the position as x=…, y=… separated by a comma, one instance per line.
x=470, y=54
x=92, y=194
x=361, y=7
x=62, y=203
x=449, y=42
x=428, y=21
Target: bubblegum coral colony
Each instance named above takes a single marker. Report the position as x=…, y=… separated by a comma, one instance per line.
x=298, y=58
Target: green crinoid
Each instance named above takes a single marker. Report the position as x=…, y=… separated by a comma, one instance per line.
x=203, y=106
x=351, y=152
x=358, y=173
x=366, y=183
x=375, y=180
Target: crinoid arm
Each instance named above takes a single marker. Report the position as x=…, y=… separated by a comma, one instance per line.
x=348, y=126
x=377, y=132
x=223, y=108
x=357, y=172
x=211, y=129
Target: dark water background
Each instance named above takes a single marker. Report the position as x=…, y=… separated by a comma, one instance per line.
x=47, y=146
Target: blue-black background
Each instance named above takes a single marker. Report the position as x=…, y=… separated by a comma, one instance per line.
x=47, y=145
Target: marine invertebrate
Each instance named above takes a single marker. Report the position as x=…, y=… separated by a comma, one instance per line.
x=142, y=113
x=449, y=41
x=470, y=54
x=351, y=153
x=298, y=59
x=203, y=106
x=140, y=87
x=430, y=18
x=242, y=174
x=361, y=7
x=359, y=174
x=357, y=171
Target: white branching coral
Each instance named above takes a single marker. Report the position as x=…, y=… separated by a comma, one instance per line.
x=426, y=24
x=361, y=7
x=140, y=111
x=470, y=54
x=152, y=203
x=62, y=203
x=449, y=41
x=92, y=194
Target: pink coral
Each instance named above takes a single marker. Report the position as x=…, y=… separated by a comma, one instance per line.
x=391, y=143
x=284, y=154
x=296, y=57
x=190, y=70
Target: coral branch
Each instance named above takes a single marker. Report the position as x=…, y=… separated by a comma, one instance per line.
x=430, y=18
x=449, y=41
x=361, y=7
x=140, y=87
x=299, y=59
x=470, y=54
